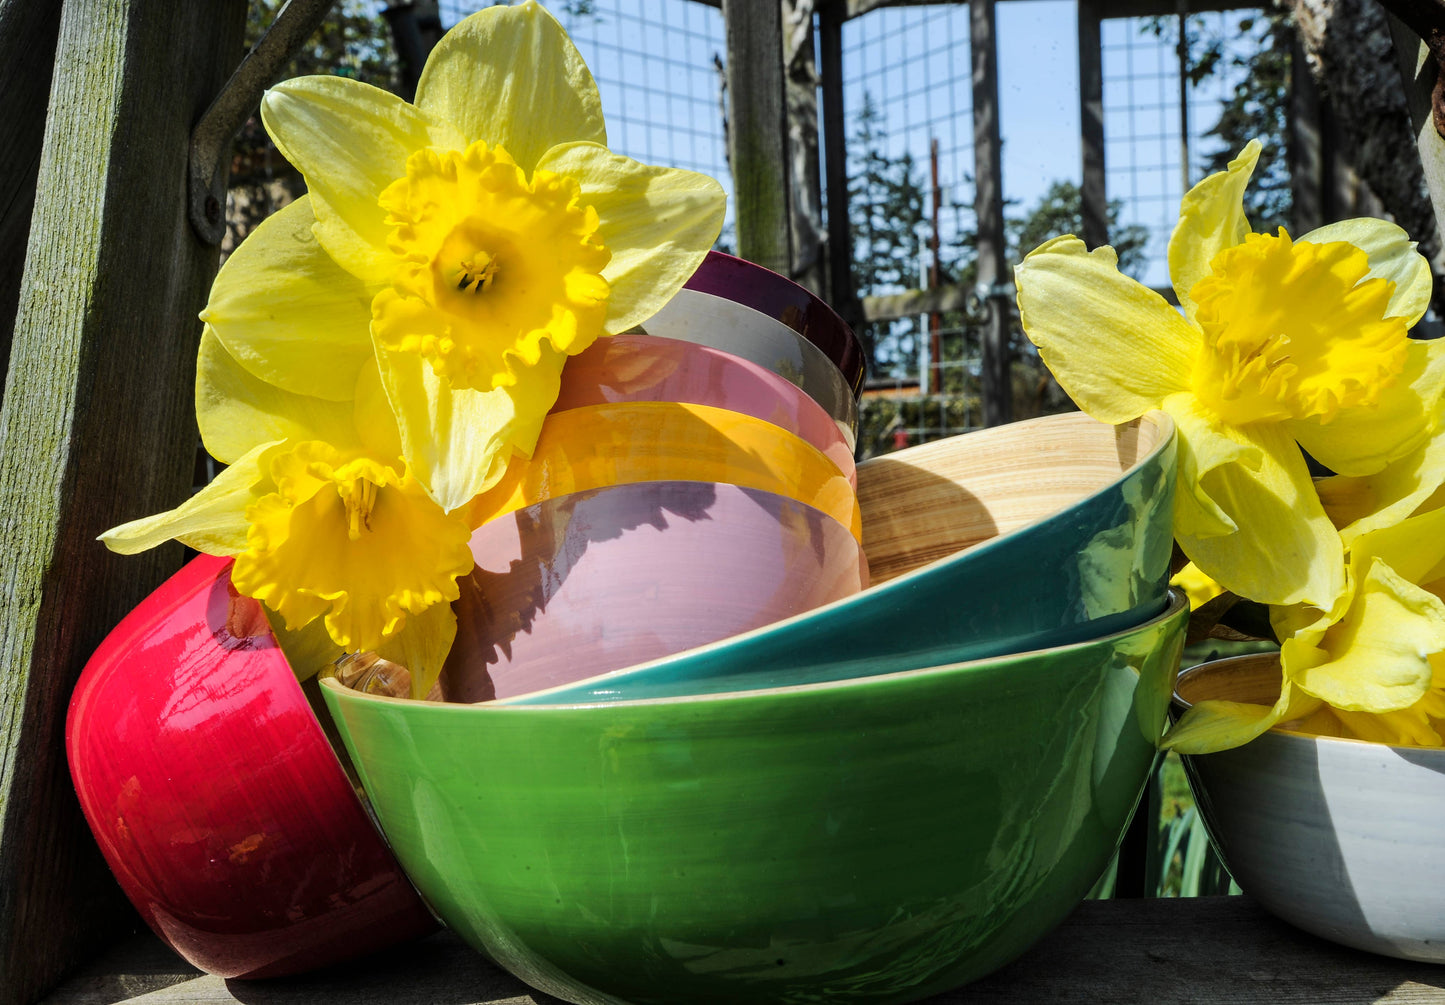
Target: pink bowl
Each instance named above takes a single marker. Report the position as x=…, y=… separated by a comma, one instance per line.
x=633, y=367
x=595, y=581
x=216, y=798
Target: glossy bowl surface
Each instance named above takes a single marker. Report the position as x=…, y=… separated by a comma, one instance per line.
x=720, y=323
x=1337, y=837
x=1025, y=536
x=598, y=446
x=630, y=367
x=216, y=798
x=874, y=840
x=778, y=297
x=600, y=580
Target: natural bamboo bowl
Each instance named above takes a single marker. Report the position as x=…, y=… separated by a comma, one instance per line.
x=1030, y=535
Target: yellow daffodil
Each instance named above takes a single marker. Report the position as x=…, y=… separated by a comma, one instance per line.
x=1281, y=346
x=1374, y=662
x=324, y=519
x=376, y=352
x=467, y=243
x=1198, y=587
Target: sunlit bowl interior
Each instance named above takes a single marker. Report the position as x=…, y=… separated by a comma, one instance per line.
x=629, y=367
x=783, y=300
x=878, y=839
x=605, y=579
x=216, y=798
x=1025, y=536
x=1335, y=836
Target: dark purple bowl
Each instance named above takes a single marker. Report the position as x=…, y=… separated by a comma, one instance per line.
x=779, y=297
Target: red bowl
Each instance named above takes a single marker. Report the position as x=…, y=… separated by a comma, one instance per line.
x=216, y=798
x=779, y=297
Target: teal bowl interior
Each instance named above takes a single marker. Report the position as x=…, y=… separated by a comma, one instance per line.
x=873, y=840
x=1021, y=537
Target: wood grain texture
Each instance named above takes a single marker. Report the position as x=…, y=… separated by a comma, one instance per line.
x=27, y=54
x=96, y=427
x=757, y=131
x=1206, y=951
x=929, y=501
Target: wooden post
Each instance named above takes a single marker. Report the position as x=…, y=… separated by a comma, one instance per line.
x=805, y=200
x=757, y=131
x=1091, y=125
x=1306, y=152
x=97, y=426
x=997, y=392
x=841, y=292
x=27, y=55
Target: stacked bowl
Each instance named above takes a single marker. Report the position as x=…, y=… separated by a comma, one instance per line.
x=684, y=749
x=692, y=482
x=872, y=801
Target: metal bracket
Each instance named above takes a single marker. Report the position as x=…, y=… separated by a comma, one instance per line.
x=212, y=137
x=1426, y=18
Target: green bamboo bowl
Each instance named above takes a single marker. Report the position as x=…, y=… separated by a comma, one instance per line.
x=879, y=839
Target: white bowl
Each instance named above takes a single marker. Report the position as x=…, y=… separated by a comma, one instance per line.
x=1341, y=838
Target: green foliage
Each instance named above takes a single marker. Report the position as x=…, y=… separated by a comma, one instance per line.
x=353, y=41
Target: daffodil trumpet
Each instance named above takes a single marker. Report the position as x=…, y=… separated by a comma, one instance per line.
x=377, y=352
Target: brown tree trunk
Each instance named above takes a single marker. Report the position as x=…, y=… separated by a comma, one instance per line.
x=1352, y=59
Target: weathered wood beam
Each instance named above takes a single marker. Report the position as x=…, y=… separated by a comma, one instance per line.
x=841, y=293
x=952, y=297
x=988, y=212
x=1093, y=194
x=96, y=427
x=27, y=56
x=757, y=131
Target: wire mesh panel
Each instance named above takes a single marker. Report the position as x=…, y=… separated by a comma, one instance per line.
x=1151, y=127
x=658, y=66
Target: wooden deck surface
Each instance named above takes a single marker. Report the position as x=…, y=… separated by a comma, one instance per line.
x=1210, y=951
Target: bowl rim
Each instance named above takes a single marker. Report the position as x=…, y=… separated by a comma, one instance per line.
x=806, y=411
x=820, y=377
x=1178, y=604
x=1280, y=733
x=1161, y=420
x=767, y=288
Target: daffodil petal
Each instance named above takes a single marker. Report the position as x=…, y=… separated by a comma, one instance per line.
x=309, y=649
x=237, y=410
x=375, y=423
x=1362, y=439
x=1414, y=548
x=1204, y=444
x=1284, y=549
x=458, y=441
x=288, y=313
x=1115, y=346
x=1392, y=256
x=211, y=521
x=351, y=140
x=1213, y=725
x=512, y=77
x=1377, y=655
x=1211, y=219
x=658, y=223
x=1365, y=504
x=422, y=646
